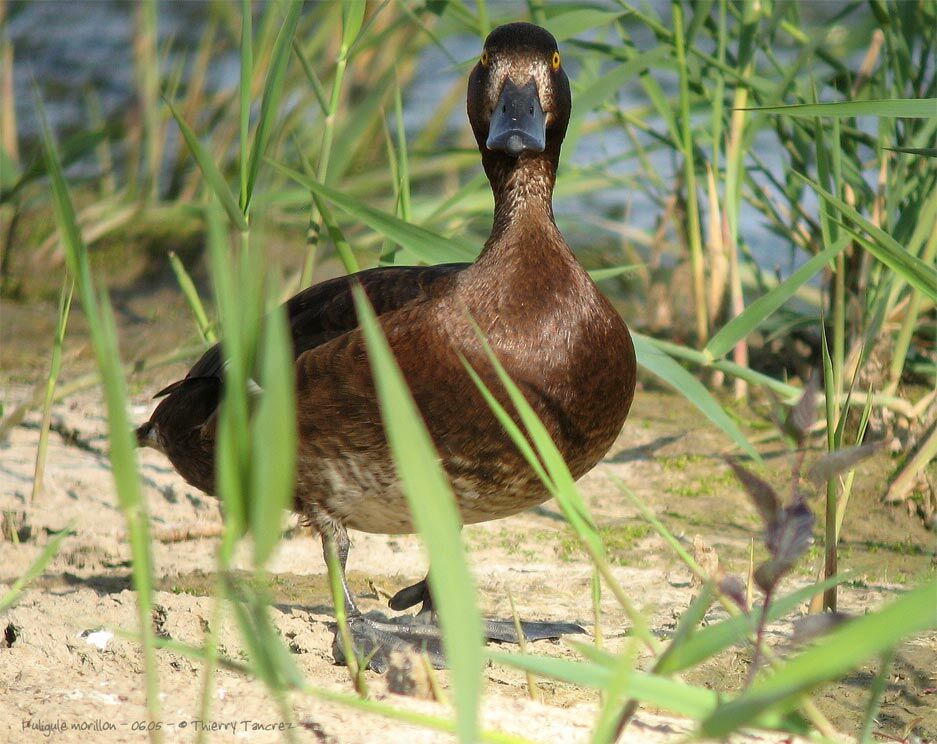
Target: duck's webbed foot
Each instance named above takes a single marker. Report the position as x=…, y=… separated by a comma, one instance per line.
x=375, y=641
x=501, y=631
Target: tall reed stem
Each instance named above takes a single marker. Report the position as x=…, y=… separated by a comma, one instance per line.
x=693, y=228
x=325, y=152
x=147, y=60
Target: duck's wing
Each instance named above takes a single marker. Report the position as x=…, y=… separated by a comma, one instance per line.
x=327, y=310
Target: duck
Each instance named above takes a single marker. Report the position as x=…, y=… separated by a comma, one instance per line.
x=549, y=325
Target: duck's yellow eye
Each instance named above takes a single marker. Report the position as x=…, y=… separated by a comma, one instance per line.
x=484, y=59
x=556, y=60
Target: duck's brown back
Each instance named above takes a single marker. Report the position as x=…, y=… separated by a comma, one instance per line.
x=183, y=424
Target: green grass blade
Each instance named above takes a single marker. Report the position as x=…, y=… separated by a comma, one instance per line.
x=72, y=148
x=244, y=98
x=842, y=650
x=373, y=707
x=435, y=515
x=311, y=76
x=342, y=246
x=645, y=511
x=912, y=269
x=574, y=22
x=403, y=159
x=759, y=310
x=876, y=694
x=607, y=724
x=884, y=247
x=607, y=86
x=205, y=329
x=685, y=135
x=613, y=271
x=36, y=568
x=571, y=502
x=272, y=474
x=709, y=641
x=687, y=626
x=678, y=697
x=55, y=367
x=352, y=18
x=927, y=152
x=212, y=175
x=123, y=458
x=353, y=660
x=911, y=108
x=512, y=429
x=658, y=363
x=560, y=483
x=273, y=90
x=424, y=244
x=232, y=445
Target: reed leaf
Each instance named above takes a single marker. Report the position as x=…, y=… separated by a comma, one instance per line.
x=55, y=368
x=205, y=329
x=244, y=99
x=758, y=311
x=273, y=90
x=884, y=247
x=436, y=517
x=611, y=272
x=122, y=446
x=424, y=244
x=911, y=108
x=274, y=435
x=212, y=175
x=843, y=649
x=709, y=641
x=36, y=568
x=566, y=25
x=352, y=18
x=658, y=363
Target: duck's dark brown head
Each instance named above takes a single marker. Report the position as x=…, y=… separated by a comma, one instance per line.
x=518, y=93
x=519, y=104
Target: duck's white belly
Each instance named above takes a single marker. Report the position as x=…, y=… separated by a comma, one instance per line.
x=370, y=498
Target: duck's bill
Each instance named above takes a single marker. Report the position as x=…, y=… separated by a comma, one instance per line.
x=518, y=123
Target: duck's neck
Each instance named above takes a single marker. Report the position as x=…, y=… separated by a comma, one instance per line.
x=523, y=191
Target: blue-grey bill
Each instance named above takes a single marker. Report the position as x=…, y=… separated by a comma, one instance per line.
x=518, y=123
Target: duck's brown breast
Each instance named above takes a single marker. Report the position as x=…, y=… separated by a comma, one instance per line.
x=574, y=363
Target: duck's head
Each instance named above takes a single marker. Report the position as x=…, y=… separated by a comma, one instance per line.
x=518, y=94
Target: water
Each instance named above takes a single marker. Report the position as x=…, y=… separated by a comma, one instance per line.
x=66, y=49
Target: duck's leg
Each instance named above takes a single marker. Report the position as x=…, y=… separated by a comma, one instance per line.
x=339, y=536
x=495, y=630
x=374, y=639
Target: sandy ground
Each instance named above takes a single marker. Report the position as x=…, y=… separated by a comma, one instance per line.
x=65, y=677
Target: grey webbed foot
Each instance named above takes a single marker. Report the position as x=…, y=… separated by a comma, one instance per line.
x=375, y=640
x=503, y=631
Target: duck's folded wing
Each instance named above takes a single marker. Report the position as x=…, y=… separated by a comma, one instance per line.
x=327, y=310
